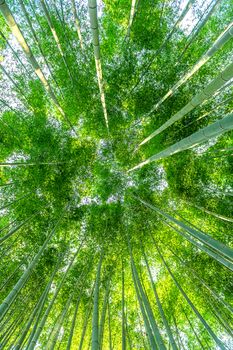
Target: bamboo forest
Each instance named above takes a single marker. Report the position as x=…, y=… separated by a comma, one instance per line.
x=116, y=174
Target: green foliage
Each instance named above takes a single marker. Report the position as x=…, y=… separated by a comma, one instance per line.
x=75, y=185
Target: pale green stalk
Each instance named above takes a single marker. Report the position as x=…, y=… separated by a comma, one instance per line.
x=37, y=40
x=218, y=216
x=144, y=315
x=21, y=282
x=55, y=36
x=211, y=291
x=109, y=327
x=213, y=130
x=154, y=326
x=58, y=326
x=88, y=312
x=131, y=17
x=197, y=100
x=38, y=309
x=202, y=320
x=123, y=338
x=15, y=229
x=73, y=324
x=201, y=236
x=47, y=311
x=92, y=5
x=223, y=38
x=162, y=314
x=95, y=317
x=6, y=12
x=193, y=330
x=103, y=315
x=77, y=23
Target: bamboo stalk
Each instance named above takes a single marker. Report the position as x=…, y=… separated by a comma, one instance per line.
x=218, y=247
x=50, y=305
x=194, y=309
x=206, y=93
x=131, y=17
x=6, y=12
x=21, y=282
x=219, y=127
x=95, y=317
x=55, y=36
x=77, y=23
x=92, y=6
x=223, y=38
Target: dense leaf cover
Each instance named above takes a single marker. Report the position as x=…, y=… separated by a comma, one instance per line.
x=94, y=255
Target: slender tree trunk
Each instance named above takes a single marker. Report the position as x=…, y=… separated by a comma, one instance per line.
x=37, y=42
x=29, y=164
x=221, y=40
x=145, y=318
x=88, y=313
x=15, y=229
x=15, y=201
x=95, y=317
x=164, y=43
x=131, y=17
x=73, y=324
x=123, y=338
x=77, y=24
x=212, y=6
x=55, y=36
x=47, y=311
x=211, y=291
x=201, y=236
x=224, y=323
x=103, y=315
x=162, y=314
x=143, y=306
x=211, y=112
x=21, y=282
x=8, y=184
x=218, y=128
x=202, y=320
x=127, y=329
x=197, y=100
x=109, y=327
x=28, y=52
x=11, y=275
x=179, y=340
x=193, y=330
x=218, y=216
x=63, y=24
x=38, y=309
x=11, y=331
x=149, y=311
x=8, y=225
x=58, y=325
x=15, y=54
x=23, y=99
x=95, y=40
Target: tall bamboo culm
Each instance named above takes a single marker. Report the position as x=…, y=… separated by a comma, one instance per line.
x=92, y=5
